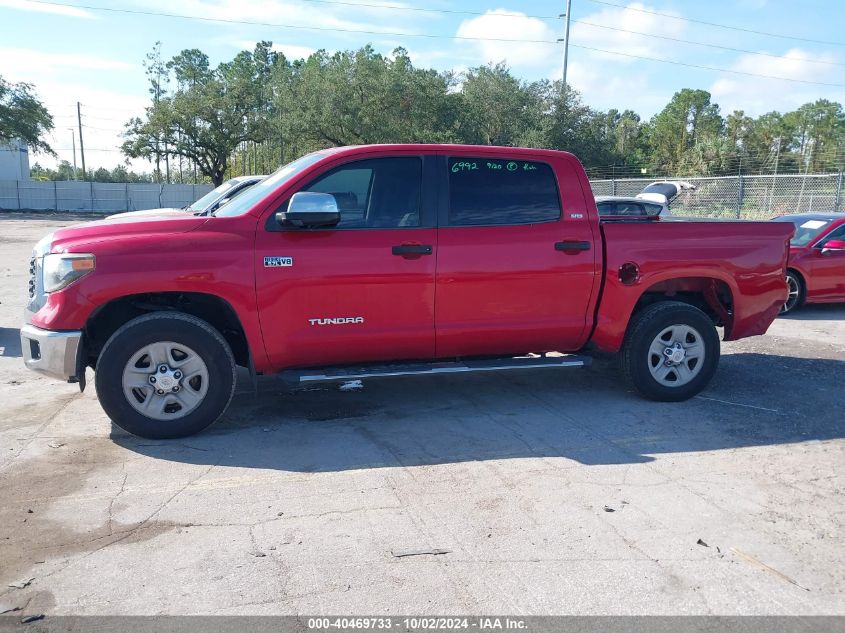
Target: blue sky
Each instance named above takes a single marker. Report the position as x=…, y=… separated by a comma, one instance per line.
x=95, y=57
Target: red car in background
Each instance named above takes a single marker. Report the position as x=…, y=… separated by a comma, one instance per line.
x=816, y=268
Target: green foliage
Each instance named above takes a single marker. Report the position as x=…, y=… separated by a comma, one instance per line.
x=23, y=116
x=261, y=109
x=64, y=171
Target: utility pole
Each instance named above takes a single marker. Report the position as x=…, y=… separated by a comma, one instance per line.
x=774, y=177
x=73, y=142
x=81, y=144
x=565, y=41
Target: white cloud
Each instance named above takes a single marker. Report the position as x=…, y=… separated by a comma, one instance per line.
x=610, y=39
x=757, y=95
x=603, y=87
x=71, y=12
x=62, y=79
x=104, y=112
x=511, y=26
x=306, y=15
x=294, y=51
x=25, y=63
x=291, y=51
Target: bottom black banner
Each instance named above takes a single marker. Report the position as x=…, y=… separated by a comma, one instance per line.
x=34, y=623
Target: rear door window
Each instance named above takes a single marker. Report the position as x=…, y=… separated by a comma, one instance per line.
x=492, y=192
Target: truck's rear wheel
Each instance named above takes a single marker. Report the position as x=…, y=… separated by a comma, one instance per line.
x=165, y=375
x=670, y=352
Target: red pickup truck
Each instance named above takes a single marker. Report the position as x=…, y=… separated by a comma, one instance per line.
x=390, y=260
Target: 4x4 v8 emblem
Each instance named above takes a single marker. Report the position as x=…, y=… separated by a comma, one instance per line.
x=275, y=262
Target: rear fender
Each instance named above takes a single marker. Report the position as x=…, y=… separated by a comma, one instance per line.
x=619, y=300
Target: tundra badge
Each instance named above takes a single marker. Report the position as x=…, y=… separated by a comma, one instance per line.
x=336, y=321
x=275, y=262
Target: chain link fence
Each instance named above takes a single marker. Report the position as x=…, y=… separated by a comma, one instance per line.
x=96, y=197
x=744, y=197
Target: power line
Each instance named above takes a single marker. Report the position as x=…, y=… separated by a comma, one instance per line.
x=53, y=104
x=721, y=70
x=103, y=118
x=91, y=149
x=721, y=26
x=104, y=129
x=396, y=7
x=290, y=26
x=431, y=36
x=726, y=48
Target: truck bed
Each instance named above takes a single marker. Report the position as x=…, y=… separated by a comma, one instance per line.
x=748, y=259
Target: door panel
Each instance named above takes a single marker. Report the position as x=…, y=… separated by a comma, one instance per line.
x=827, y=279
x=508, y=288
x=346, y=297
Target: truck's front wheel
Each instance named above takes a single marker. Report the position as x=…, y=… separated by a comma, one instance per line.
x=670, y=352
x=165, y=375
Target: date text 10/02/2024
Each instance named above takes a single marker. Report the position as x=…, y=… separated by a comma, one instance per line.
x=426, y=623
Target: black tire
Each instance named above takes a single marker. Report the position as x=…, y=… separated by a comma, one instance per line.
x=177, y=327
x=794, y=282
x=644, y=329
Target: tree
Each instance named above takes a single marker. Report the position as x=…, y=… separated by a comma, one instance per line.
x=689, y=118
x=204, y=120
x=24, y=117
x=261, y=109
x=495, y=106
x=157, y=75
x=64, y=171
x=819, y=129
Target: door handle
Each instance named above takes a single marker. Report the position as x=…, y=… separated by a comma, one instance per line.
x=412, y=249
x=572, y=246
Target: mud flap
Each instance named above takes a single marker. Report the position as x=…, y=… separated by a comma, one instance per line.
x=711, y=296
x=81, y=355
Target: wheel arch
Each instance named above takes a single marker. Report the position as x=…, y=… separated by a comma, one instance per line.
x=711, y=293
x=213, y=309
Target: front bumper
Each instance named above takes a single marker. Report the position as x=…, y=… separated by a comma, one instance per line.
x=50, y=352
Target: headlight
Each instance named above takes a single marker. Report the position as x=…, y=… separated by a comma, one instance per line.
x=62, y=269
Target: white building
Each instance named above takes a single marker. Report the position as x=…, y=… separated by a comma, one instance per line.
x=14, y=161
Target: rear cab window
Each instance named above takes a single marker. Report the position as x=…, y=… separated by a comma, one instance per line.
x=501, y=191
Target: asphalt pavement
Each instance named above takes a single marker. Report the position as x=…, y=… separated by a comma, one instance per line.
x=550, y=492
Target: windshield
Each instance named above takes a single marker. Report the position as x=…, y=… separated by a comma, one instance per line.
x=244, y=202
x=806, y=231
x=208, y=199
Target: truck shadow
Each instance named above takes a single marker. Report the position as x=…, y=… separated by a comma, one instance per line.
x=10, y=342
x=586, y=416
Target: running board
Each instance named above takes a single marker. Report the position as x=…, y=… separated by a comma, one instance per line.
x=328, y=374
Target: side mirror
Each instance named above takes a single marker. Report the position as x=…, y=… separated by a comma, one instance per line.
x=833, y=246
x=307, y=209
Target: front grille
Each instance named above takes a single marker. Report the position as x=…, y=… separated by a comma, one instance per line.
x=33, y=269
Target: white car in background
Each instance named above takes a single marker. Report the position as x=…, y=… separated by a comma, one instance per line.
x=206, y=205
x=652, y=202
